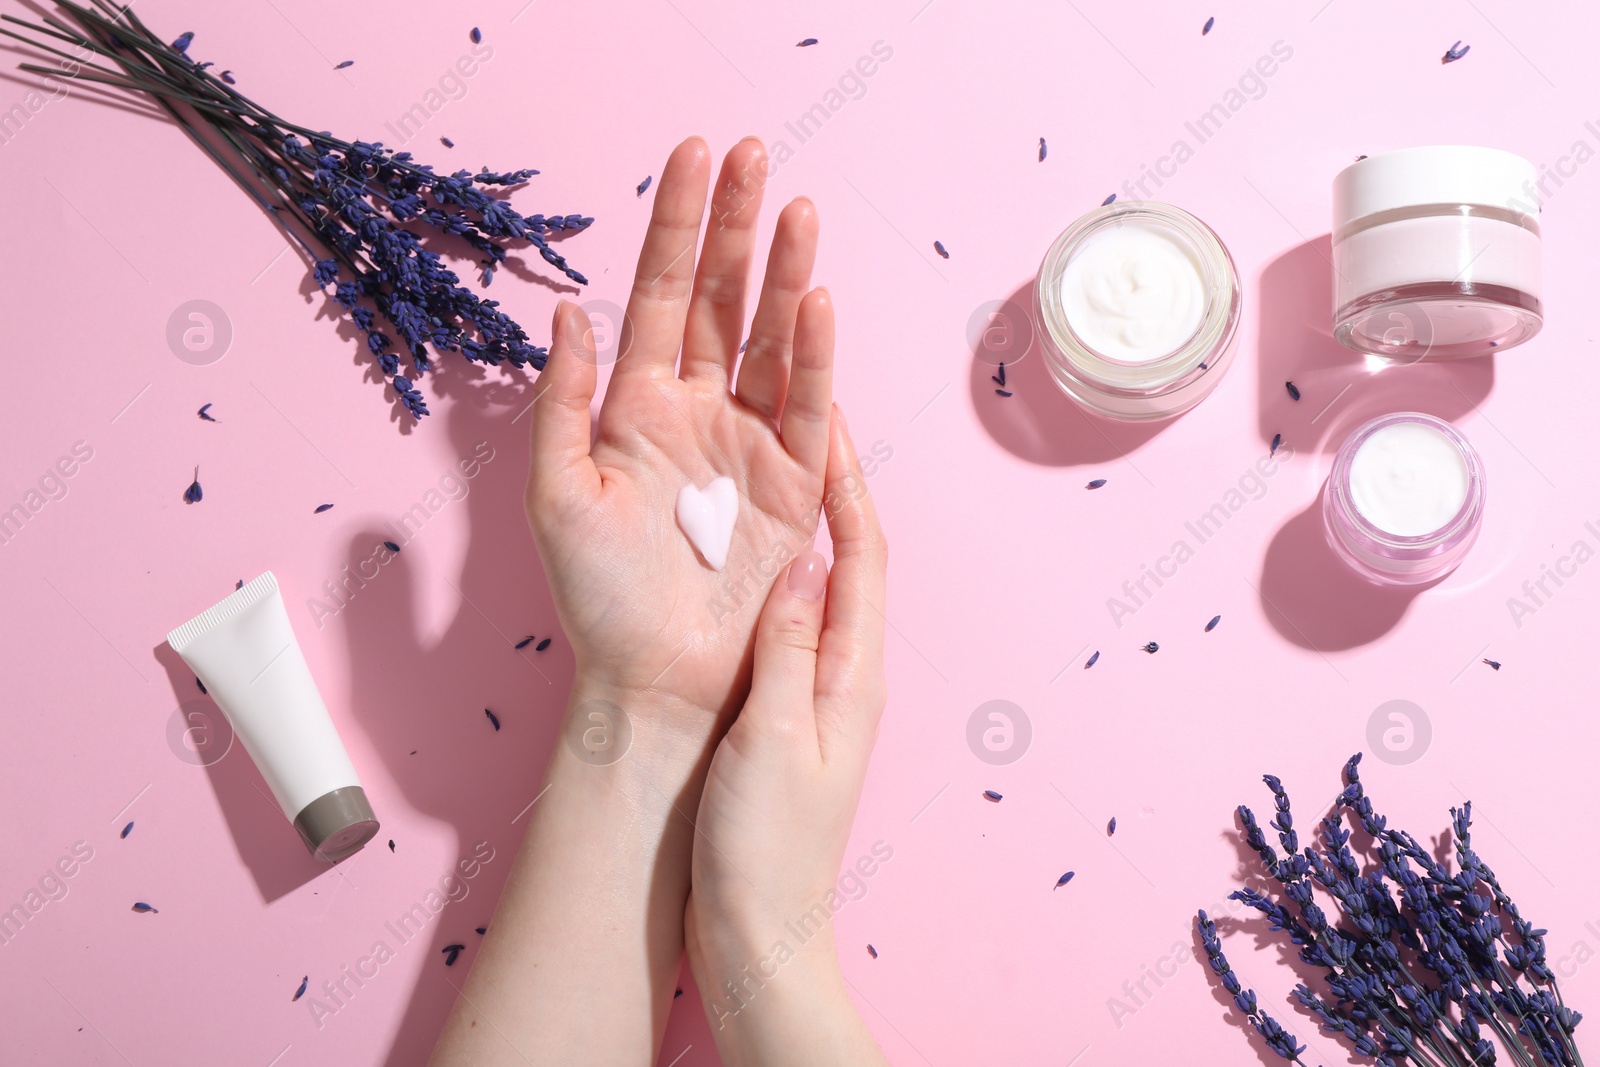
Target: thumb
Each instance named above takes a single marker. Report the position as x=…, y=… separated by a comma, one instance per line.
x=783, y=680
x=560, y=430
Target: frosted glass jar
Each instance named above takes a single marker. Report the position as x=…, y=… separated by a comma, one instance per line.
x=1436, y=253
x=1138, y=306
x=1405, y=499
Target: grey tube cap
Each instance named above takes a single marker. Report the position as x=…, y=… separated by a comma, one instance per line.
x=337, y=824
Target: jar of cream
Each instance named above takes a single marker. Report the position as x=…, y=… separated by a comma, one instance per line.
x=1405, y=499
x=1436, y=253
x=1138, y=305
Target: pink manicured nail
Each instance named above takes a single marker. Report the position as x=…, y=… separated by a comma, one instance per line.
x=808, y=575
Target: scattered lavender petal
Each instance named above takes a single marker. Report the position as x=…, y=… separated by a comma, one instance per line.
x=1150, y=647
x=204, y=413
x=484, y=929
x=391, y=844
x=1294, y=390
x=141, y=907
x=200, y=684
x=1096, y=483
x=227, y=76
x=1212, y=625
x=451, y=952
x=321, y=508
x=126, y=830
x=1111, y=827
x=1210, y=22
x=744, y=345
x=807, y=43
x=192, y=495
x=346, y=63
x=447, y=142
x=1108, y=200
x=493, y=718
x=1003, y=392
x=872, y=952
x=1455, y=52
x=648, y=178
x=675, y=995
x=938, y=246
x=238, y=583
x=1493, y=663
x=476, y=35
x=542, y=645
x=525, y=642
x=1044, y=150
x=1065, y=878
x=298, y=993
x=391, y=546
x=1002, y=372
x=992, y=795
x=1092, y=660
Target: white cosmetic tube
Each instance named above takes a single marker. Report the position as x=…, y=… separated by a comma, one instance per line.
x=245, y=652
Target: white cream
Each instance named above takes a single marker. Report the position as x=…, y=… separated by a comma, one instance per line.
x=1134, y=292
x=1408, y=479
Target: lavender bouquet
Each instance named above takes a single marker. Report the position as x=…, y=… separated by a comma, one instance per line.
x=1420, y=964
x=348, y=198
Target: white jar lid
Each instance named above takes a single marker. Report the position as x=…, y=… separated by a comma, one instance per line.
x=1440, y=174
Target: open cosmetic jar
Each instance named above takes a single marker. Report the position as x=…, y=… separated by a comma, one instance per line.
x=1138, y=305
x=1405, y=499
x=1436, y=253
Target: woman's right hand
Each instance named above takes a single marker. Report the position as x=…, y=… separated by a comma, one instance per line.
x=781, y=795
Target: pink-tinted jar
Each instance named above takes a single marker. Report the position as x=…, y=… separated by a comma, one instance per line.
x=1369, y=541
x=1436, y=253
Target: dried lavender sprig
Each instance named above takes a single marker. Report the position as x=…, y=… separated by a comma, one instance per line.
x=1454, y=963
x=1449, y=927
x=1277, y=1038
x=325, y=186
x=1464, y=946
x=1444, y=955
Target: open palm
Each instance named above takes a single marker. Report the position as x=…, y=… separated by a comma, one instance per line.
x=644, y=612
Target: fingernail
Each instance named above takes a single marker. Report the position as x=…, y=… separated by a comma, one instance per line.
x=839, y=411
x=808, y=575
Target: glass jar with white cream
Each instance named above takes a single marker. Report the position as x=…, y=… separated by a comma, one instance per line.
x=1405, y=499
x=1138, y=305
x=1436, y=253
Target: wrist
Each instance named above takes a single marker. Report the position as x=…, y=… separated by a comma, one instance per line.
x=781, y=970
x=608, y=722
x=782, y=1008
x=729, y=943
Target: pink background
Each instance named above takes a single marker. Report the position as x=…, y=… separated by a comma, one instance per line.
x=1002, y=562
